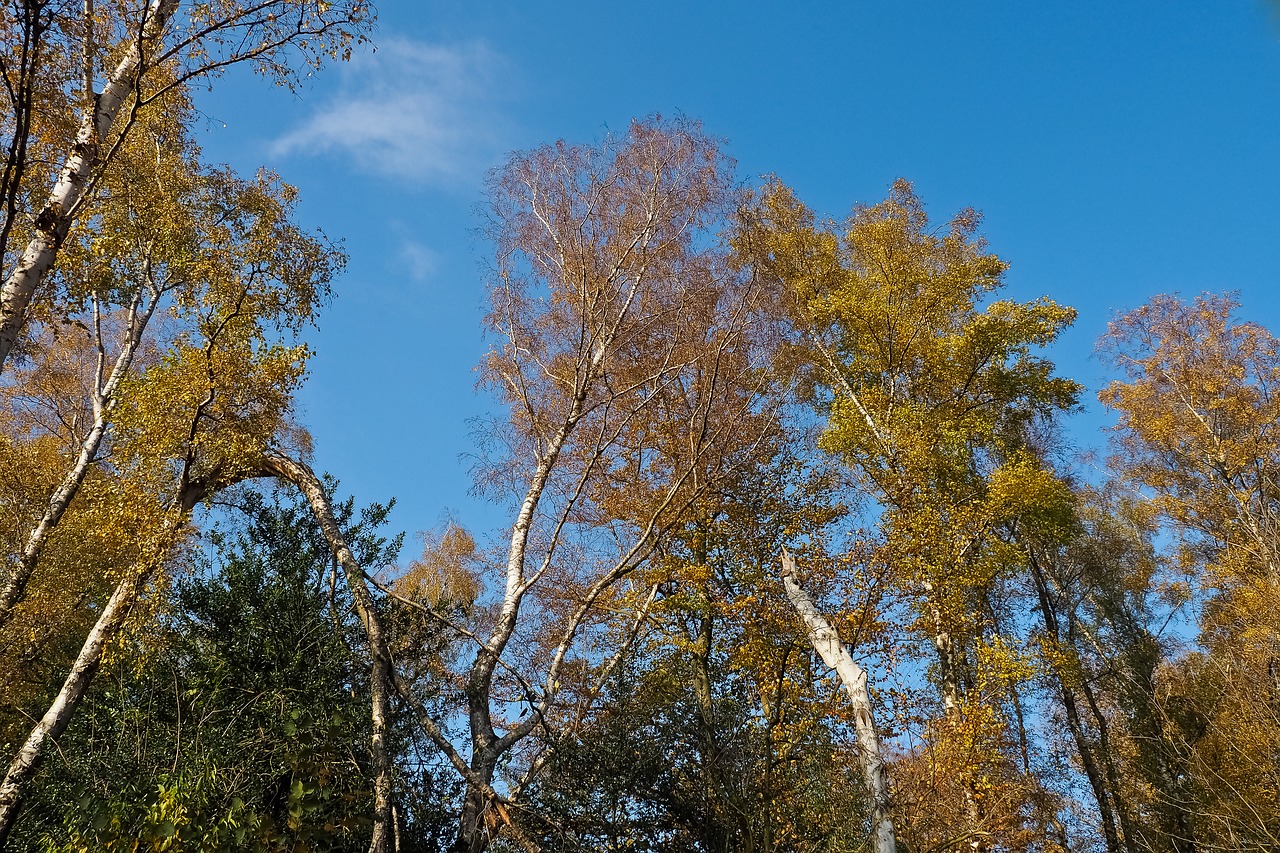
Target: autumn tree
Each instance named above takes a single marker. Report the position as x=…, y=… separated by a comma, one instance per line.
x=754, y=751
x=168, y=232
x=1197, y=435
x=619, y=328
x=930, y=396
x=80, y=77
x=212, y=407
x=238, y=280
x=759, y=712
x=238, y=719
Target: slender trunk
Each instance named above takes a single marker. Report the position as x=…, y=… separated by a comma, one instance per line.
x=718, y=812
x=1162, y=762
x=1165, y=768
x=1091, y=770
x=59, y=714
x=380, y=675
x=949, y=688
x=1109, y=766
x=474, y=832
x=15, y=585
x=55, y=719
x=773, y=714
x=826, y=642
x=717, y=831
x=948, y=671
x=104, y=401
x=1084, y=748
x=83, y=163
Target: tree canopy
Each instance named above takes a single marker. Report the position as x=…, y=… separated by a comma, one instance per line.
x=795, y=555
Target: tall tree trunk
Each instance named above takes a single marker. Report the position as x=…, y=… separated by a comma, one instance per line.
x=1162, y=762
x=104, y=400
x=475, y=825
x=719, y=811
x=826, y=642
x=1085, y=749
x=1092, y=771
x=83, y=162
x=474, y=829
x=309, y=484
x=716, y=832
x=59, y=714
x=948, y=670
x=1109, y=767
x=949, y=688
x=1164, y=765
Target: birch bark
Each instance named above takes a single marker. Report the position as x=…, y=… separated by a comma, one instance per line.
x=54, y=222
x=610, y=233
x=104, y=400
x=826, y=642
x=55, y=719
x=380, y=678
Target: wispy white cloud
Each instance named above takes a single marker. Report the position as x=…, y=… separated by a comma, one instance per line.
x=412, y=111
x=418, y=260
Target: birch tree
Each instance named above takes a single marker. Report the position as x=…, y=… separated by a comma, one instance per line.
x=1198, y=405
x=238, y=719
x=619, y=326
x=714, y=733
x=1099, y=601
x=304, y=479
x=168, y=232
x=134, y=59
x=215, y=252
x=827, y=643
x=209, y=407
x=929, y=397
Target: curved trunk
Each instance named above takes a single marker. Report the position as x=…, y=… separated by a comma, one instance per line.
x=309, y=484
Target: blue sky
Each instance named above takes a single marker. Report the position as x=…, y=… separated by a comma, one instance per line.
x=1118, y=150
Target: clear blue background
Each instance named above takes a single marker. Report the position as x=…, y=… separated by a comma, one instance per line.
x=1118, y=150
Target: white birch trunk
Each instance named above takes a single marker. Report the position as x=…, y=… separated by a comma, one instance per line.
x=104, y=401
x=826, y=642
x=380, y=679
x=55, y=719
x=63, y=708
x=83, y=161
